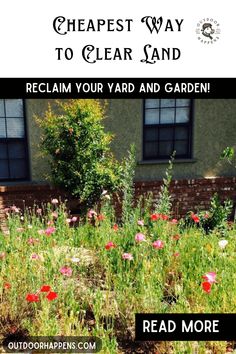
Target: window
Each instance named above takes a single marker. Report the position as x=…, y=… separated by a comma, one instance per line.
x=13, y=147
x=167, y=127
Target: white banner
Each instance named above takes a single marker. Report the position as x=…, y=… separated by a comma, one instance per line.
x=117, y=39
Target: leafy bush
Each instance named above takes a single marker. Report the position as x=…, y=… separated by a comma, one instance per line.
x=127, y=184
x=214, y=218
x=164, y=203
x=81, y=160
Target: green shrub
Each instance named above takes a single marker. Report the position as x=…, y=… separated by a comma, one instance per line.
x=164, y=204
x=214, y=218
x=81, y=160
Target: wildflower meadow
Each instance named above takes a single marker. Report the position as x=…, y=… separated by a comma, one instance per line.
x=72, y=276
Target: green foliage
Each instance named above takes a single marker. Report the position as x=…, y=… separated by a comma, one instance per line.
x=228, y=154
x=104, y=290
x=218, y=215
x=81, y=160
x=127, y=184
x=213, y=219
x=164, y=202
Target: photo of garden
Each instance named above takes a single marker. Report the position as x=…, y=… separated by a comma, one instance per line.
x=84, y=266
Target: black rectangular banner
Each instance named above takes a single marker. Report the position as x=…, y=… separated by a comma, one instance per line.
x=117, y=87
x=181, y=327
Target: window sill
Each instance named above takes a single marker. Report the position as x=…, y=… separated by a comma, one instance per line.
x=159, y=162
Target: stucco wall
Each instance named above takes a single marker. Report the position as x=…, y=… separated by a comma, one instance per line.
x=214, y=129
x=39, y=167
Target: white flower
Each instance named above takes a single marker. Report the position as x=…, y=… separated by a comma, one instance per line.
x=75, y=260
x=222, y=244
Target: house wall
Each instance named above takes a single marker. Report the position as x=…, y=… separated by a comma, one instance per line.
x=214, y=128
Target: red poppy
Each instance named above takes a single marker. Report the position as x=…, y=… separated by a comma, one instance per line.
x=164, y=217
x=32, y=298
x=7, y=286
x=101, y=217
x=51, y=296
x=115, y=227
x=109, y=245
x=176, y=237
x=195, y=218
x=206, y=286
x=45, y=288
x=155, y=217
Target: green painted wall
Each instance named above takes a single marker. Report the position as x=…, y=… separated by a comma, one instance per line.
x=214, y=129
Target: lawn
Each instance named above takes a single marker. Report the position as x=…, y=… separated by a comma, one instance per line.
x=63, y=275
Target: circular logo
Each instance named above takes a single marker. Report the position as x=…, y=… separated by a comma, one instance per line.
x=208, y=30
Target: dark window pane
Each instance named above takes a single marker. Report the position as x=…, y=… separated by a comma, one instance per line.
x=182, y=102
x=152, y=116
x=181, y=147
x=15, y=128
x=165, y=148
x=152, y=103
x=151, y=150
x=16, y=150
x=167, y=116
x=2, y=112
x=17, y=168
x=168, y=102
x=3, y=169
x=2, y=128
x=3, y=151
x=182, y=115
x=166, y=134
x=151, y=134
x=169, y=128
x=14, y=108
x=181, y=133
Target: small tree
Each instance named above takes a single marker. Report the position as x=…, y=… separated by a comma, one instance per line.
x=81, y=160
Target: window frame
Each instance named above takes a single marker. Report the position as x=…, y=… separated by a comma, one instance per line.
x=188, y=124
x=25, y=143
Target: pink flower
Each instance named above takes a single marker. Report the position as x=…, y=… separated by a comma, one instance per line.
x=74, y=219
x=39, y=211
x=159, y=244
x=91, y=214
x=35, y=256
x=210, y=277
x=49, y=231
x=2, y=255
x=41, y=232
x=140, y=222
x=32, y=240
x=127, y=256
x=140, y=237
x=174, y=221
x=15, y=209
x=110, y=245
x=54, y=201
x=67, y=271
x=206, y=286
x=54, y=215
